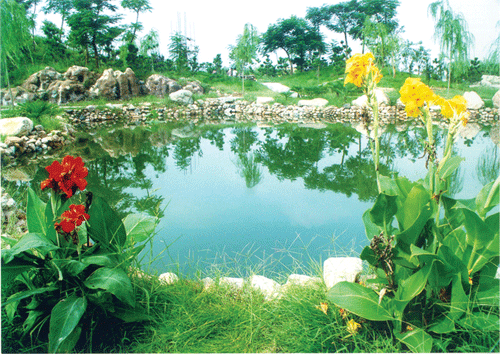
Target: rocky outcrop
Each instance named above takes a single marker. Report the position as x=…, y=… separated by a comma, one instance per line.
x=63, y=91
x=17, y=126
x=195, y=87
x=41, y=80
x=81, y=74
x=160, y=86
x=182, y=96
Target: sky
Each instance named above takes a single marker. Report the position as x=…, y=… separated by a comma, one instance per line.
x=216, y=24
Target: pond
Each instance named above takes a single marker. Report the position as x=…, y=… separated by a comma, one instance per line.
x=269, y=199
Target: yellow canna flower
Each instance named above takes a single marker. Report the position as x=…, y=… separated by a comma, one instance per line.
x=352, y=327
x=454, y=106
x=414, y=94
x=359, y=68
x=323, y=308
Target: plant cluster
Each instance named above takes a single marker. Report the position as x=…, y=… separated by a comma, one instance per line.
x=71, y=269
x=435, y=257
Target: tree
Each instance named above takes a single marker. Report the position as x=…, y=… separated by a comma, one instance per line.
x=217, y=62
x=138, y=6
x=150, y=44
x=296, y=37
x=179, y=51
x=91, y=28
x=14, y=36
x=245, y=51
x=53, y=37
x=61, y=7
x=451, y=31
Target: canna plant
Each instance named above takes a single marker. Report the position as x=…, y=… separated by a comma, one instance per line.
x=74, y=261
x=435, y=257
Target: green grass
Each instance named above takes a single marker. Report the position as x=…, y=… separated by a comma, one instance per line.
x=40, y=112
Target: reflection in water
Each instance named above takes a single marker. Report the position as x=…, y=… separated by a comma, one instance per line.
x=308, y=184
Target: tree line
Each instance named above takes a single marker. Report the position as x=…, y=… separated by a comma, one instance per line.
x=91, y=34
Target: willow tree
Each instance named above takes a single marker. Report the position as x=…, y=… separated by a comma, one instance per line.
x=452, y=34
x=137, y=6
x=14, y=36
x=245, y=50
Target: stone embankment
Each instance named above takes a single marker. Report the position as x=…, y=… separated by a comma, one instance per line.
x=231, y=109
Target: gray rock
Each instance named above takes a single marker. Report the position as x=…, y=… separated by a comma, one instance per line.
x=316, y=102
x=496, y=99
x=182, y=96
x=473, y=100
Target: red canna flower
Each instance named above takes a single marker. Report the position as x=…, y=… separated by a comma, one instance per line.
x=67, y=177
x=72, y=218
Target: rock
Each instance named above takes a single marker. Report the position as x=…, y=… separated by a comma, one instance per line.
x=276, y=87
x=17, y=126
x=262, y=100
x=469, y=131
x=80, y=74
x=19, y=95
x=316, y=102
x=361, y=127
x=300, y=279
x=269, y=287
x=232, y=282
x=495, y=134
x=127, y=84
x=473, y=100
x=312, y=125
x=41, y=80
x=337, y=269
x=496, y=99
x=168, y=278
x=195, y=87
x=65, y=91
x=207, y=282
x=490, y=80
x=362, y=101
x=182, y=96
x=106, y=86
x=160, y=86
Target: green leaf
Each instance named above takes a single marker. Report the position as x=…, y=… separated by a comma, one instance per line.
x=31, y=320
x=383, y=210
x=370, y=228
x=444, y=325
x=106, y=260
x=35, y=217
x=478, y=232
x=105, y=226
x=70, y=266
x=64, y=318
x=26, y=243
x=131, y=315
x=113, y=280
x=12, y=270
x=490, y=297
x=359, y=300
x=28, y=293
x=459, y=299
x=449, y=166
x=413, y=285
x=368, y=255
x=481, y=321
x=416, y=202
x=488, y=197
x=418, y=341
x=139, y=227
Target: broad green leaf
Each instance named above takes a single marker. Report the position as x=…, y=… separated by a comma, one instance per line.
x=415, y=203
x=449, y=166
x=478, y=232
x=31, y=320
x=370, y=228
x=422, y=255
x=368, y=255
x=35, y=218
x=383, y=210
x=488, y=273
x=488, y=197
x=28, y=293
x=459, y=300
x=106, y=260
x=481, y=321
x=113, y=280
x=27, y=242
x=412, y=286
x=70, y=266
x=64, y=318
x=69, y=343
x=399, y=186
x=359, y=300
x=105, y=226
x=131, y=315
x=444, y=325
x=490, y=297
x=417, y=340
x=8, y=240
x=51, y=231
x=139, y=227
x=452, y=215
x=12, y=270
x=454, y=265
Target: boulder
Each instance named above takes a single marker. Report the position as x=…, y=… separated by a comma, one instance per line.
x=473, y=100
x=262, y=100
x=182, y=96
x=469, y=131
x=267, y=286
x=106, y=86
x=300, y=279
x=316, y=102
x=127, y=84
x=362, y=101
x=17, y=126
x=160, y=86
x=19, y=94
x=168, y=278
x=337, y=269
x=64, y=91
x=496, y=99
x=236, y=283
x=490, y=80
x=194, y=86
x=42, y=79
x=80, y=74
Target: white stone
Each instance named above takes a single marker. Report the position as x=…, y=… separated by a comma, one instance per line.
x=337, y=269
x=496, y=99
x=168, y=278
x=262, y=100
x=473, y=100
x=316, y=102
x=300, y=279
x=362, y=101
x=469, y=131
x=182, y=96
x=361, y=127
x=490, y=80
x=269, y=287
x=232, y=282
x=207, y=282
x=276, y=87
x=497, y=276
x=17, y=126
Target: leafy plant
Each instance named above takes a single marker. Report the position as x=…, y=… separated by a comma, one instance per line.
x=73, y=262
x=435, y=257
